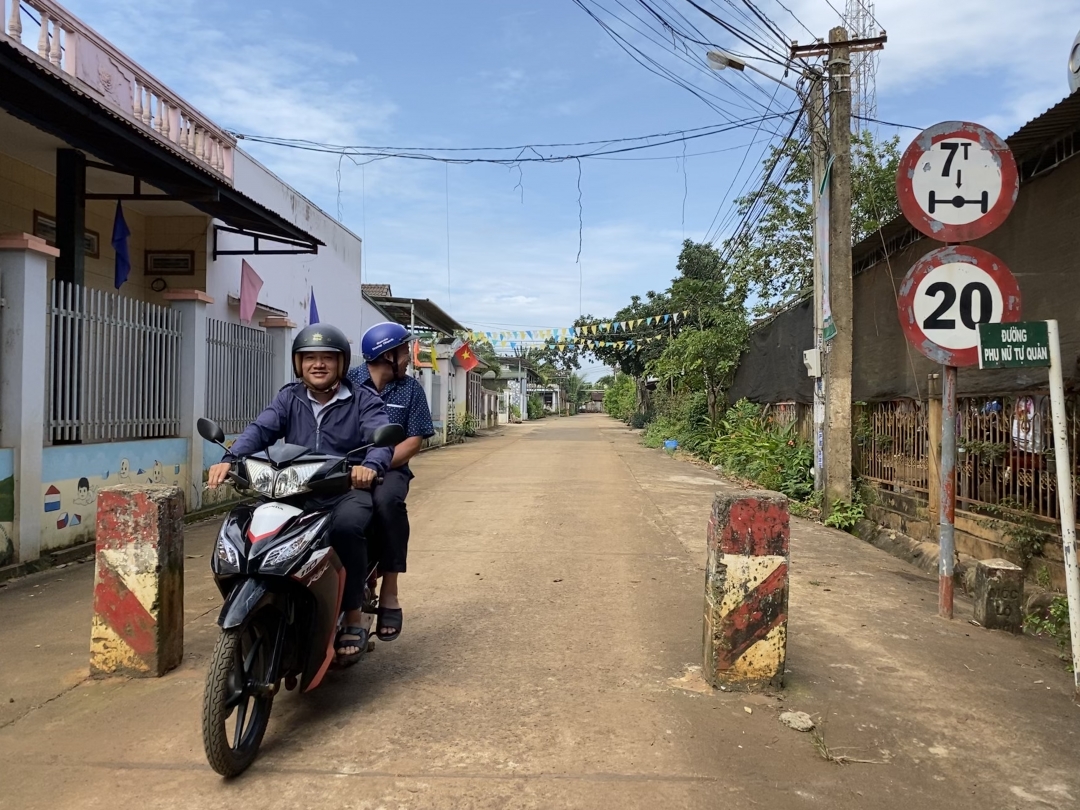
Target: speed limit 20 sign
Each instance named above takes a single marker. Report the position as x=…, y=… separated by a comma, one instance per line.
x=957, y=182
x=947, y=294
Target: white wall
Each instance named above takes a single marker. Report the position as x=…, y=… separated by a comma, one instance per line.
x=334, y=271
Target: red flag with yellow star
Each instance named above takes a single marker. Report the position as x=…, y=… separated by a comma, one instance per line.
x=465, y=357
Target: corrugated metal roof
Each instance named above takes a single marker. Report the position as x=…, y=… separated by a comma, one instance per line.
x=1042, y=131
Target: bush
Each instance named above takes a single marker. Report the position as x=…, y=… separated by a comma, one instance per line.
x=774, y=457
x=535, y=407
x=620, y=398
x=1055, y=624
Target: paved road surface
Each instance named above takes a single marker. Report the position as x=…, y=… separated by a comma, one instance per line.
x=553, y=621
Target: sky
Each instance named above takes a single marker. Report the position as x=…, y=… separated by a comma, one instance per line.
x=503, y=247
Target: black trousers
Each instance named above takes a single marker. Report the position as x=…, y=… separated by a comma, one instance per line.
x=392, y=520
x=349, y=520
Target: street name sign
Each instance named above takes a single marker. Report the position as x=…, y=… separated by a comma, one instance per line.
x=1014, y=345
x=957, y=182
x=947, y=294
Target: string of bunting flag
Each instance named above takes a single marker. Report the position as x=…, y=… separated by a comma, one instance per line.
x=579, y=335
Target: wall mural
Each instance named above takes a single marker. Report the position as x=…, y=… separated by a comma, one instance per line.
x=73, y=474
x=7, y=506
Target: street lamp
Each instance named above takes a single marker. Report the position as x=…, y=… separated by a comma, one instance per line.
x=718, y=60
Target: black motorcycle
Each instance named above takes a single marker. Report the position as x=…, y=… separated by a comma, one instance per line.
x=282, y=584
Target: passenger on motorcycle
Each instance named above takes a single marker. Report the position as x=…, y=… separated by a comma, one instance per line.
x=327, y=413
x=385, y=347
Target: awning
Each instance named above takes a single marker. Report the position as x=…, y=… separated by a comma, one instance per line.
x=38, y=96
x=419, y=313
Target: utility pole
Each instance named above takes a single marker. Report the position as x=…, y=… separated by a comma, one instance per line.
x=819, y=145
x=839, y=359
x=836, y=357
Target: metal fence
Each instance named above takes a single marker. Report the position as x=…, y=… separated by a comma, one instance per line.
x=1005, y=458
x=114, y=367
x=891, y=444
x=1006, y=454
x=239, y=373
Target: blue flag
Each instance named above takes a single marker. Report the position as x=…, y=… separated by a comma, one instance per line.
x=120, y=234
x=313, y=313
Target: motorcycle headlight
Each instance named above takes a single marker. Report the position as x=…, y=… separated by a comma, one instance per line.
x=226, y=553
x=260, y=476
x=294, y=479
x=287, y=551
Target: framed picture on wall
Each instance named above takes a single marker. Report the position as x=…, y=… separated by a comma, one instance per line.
x=45, y=228
x=169, y=263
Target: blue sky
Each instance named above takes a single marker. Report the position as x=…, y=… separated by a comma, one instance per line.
x=490, y=72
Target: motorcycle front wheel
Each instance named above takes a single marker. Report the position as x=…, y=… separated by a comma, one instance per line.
x=239, y=694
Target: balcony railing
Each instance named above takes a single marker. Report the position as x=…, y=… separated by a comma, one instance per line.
x=87, y=60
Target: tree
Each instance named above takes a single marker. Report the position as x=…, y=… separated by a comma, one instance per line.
x=705, y=359
x=775, y=259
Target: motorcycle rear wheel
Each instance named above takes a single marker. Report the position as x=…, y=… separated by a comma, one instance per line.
x=239, y=694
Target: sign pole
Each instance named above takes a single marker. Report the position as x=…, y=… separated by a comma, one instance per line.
x=947, y=538
x=1066, y=496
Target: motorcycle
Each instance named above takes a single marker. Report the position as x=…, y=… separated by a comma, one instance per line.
x=282, y=584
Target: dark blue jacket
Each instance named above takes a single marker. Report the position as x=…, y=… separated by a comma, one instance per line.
x=346, y=425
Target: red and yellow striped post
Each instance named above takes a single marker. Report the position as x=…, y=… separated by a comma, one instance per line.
x=746, y=590
x=138, y=625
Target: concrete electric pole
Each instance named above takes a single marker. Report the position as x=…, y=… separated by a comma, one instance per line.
x=839, y=357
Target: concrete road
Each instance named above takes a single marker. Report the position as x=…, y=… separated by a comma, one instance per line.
x=553, y=620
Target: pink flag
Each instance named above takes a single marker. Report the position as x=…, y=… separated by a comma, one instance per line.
x=250, y=284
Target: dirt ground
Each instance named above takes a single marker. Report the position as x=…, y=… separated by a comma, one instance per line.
x=553, y=621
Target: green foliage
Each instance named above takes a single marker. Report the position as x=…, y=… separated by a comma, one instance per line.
x=845, y=515
x=774, y=457
x=1053, y=623
x=535, y=407
x=461, y=427
x=619, y=398
x=776, y=258
x=515, y=412
x=1020, y=527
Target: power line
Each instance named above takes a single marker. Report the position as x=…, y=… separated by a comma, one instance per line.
x=383, y=153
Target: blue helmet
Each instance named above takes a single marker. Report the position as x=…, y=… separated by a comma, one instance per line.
x=381, y=338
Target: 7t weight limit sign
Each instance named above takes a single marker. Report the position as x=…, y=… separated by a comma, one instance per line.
x=957, y=182
x=945, y=297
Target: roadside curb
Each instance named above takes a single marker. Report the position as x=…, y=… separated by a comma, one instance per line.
x=46, y=561
x=921, y=554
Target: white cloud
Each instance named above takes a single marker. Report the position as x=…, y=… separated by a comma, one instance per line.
x=941, y=48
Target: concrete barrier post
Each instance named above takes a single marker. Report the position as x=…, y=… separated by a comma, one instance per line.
x=999, y=595
x=138, y=625
x=746, y=590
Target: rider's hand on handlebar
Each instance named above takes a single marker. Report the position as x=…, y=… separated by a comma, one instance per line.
x=218, y=474
x=363, y=477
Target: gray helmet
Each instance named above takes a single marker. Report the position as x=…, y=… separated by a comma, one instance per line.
x=321, y=337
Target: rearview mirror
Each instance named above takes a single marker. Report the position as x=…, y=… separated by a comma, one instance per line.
x=389, y=435
x=211, y=431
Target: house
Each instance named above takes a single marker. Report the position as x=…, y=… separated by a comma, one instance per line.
x=103, y=386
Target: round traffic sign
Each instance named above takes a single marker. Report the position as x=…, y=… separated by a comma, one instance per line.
x=957, y=182
x=947, y=294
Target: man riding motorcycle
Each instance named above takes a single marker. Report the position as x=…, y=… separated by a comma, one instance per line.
x=385, y=347
x=328, y=414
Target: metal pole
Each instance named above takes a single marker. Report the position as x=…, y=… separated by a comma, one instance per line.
x=947, y=538
x=819, y=141
x=1066, y=496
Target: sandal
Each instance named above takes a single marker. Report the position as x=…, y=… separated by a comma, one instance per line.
x=350, y=636
x=389, y=619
